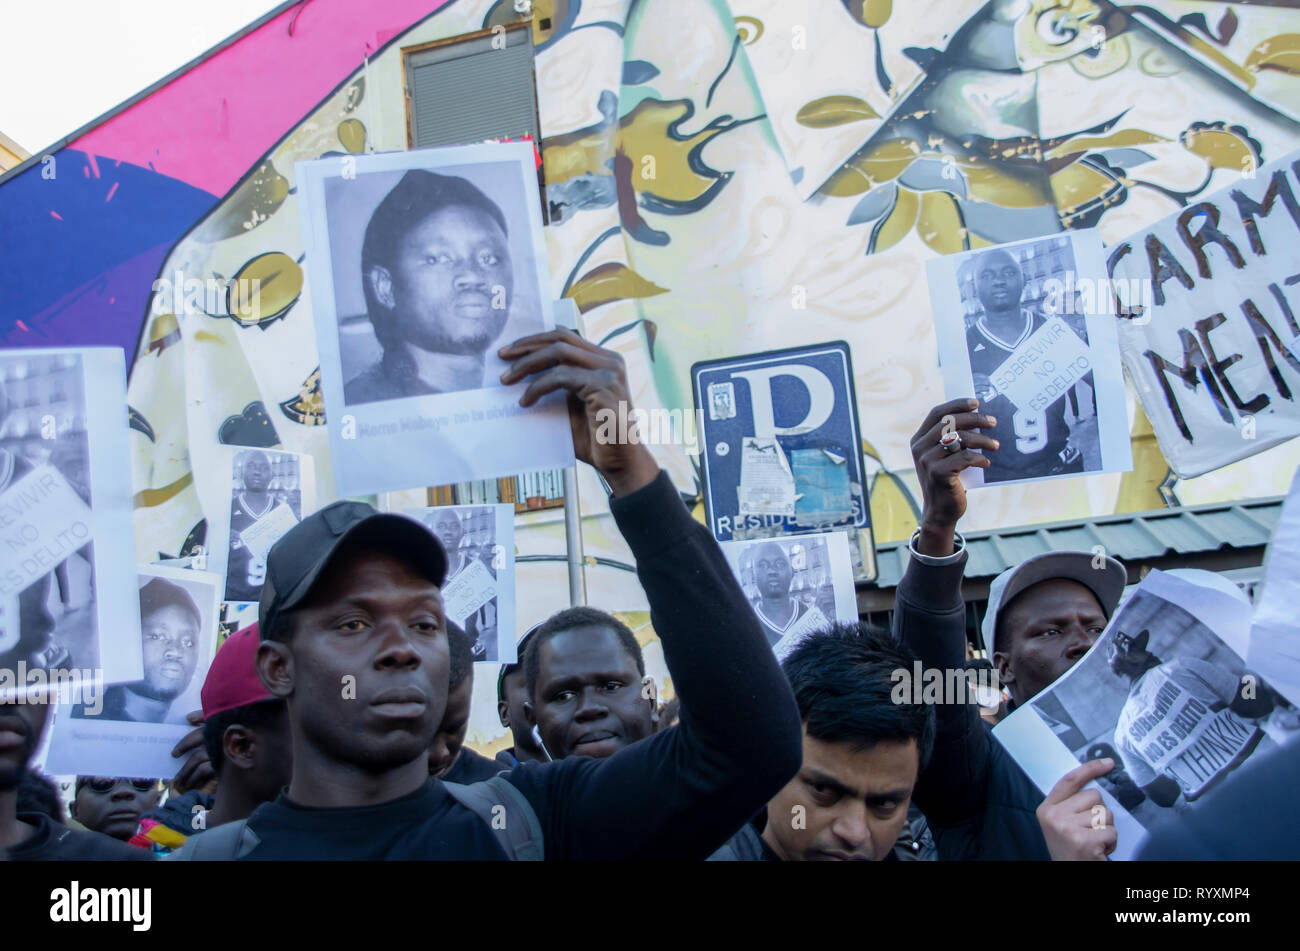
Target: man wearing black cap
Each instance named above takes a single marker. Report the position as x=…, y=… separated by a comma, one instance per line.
x=1043, y=615
x=169, y=632
x=355, y=641
x=437, y=279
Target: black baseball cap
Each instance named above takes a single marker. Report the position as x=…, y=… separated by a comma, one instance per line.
x=295, y=561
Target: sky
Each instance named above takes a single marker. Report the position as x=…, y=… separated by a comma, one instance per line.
x=66, y=62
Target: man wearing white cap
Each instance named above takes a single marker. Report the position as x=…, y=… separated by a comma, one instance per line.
x=1043, y=615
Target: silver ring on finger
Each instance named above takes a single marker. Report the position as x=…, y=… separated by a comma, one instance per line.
x=951, y=441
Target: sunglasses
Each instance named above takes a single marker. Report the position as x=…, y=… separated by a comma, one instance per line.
x=103, y=784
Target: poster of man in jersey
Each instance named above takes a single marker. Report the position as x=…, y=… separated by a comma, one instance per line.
x=797, y=585
x=270, y=492
x=478, y=593
x=1168, y=699
x=1024, y=328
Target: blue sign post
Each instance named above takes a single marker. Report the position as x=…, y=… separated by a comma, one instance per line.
x=780, y=447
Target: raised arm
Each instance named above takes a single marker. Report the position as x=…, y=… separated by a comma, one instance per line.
x=682, y=793
x=930, y=614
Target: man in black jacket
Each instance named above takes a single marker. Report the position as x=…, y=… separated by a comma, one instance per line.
x=356, y=644
x=864, y=743
x=1043, y=615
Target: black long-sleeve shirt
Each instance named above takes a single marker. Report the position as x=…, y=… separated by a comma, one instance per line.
x=978, y=801
x=679, y=794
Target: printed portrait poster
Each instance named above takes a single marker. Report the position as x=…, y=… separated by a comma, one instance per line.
x=67, y=613
x=1207, y=303
x=421, y=265
x=1165, y=696
x=1026, y=328
x=264, y=493
x=479, y=593
x=796, y=585
x=130, y=729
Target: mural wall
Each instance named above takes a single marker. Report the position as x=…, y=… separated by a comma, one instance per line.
x=723, y=176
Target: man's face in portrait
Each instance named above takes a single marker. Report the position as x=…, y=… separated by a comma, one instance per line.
x=451, y=282
x=999, y=281
x=170, y=637
x=447, y=527
x=772, y=571
x=257, y=472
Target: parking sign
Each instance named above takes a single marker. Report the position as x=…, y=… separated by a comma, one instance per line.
x=781, y=451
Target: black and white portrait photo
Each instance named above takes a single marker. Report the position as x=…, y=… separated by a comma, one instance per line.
x=796, y=584
x=265, y=502
x=65, y=492
x=437, y=276
x=478, y=593
x=1018, y=328
x=172, y=628
x=422, y=265
x=129, y=729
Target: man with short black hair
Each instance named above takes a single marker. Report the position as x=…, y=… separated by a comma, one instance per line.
x=862, y=753
x=1043, y=615
x=354, y=639
x=449, y=758
x=588, y=690
x=512, y=694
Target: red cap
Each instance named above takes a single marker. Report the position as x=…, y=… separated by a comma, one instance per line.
x=232, y=679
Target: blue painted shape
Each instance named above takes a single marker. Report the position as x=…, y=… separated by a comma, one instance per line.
x=83, y=278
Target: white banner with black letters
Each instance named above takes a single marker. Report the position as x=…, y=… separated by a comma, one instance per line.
x=1207, y=302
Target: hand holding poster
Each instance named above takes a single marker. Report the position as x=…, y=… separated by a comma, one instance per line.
x=1207, y=323
x=67, y=550
x=1023, y=328
x=1165, y=696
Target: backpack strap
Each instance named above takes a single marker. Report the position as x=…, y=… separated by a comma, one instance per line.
x=508, y=814
x=225, y=843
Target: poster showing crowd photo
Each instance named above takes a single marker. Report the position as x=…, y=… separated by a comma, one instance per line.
x=1026, y=329
x=796, y=585
x=479, y=593
x=130, y=729
x=67, y=569
x=268, y=494
x=1165, y=695
x=422, y=265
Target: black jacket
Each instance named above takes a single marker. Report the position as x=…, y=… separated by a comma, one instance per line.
x=53, y=842
x=979, y=802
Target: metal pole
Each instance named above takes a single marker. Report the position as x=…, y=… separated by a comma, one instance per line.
x=573, y=539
